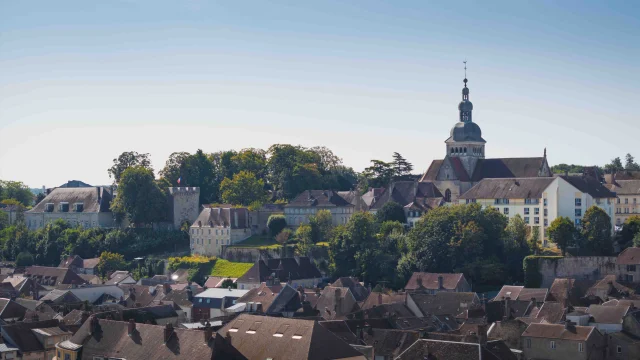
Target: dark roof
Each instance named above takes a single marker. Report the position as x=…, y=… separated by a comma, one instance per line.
x=608, y=314
x=253, y=336
x=11, y=309
x=287, y=299
x=76, y=317
x=149, y=313
x=509, y=331
x=630, y=256
x=514, y=188
x=385, y=311
x=341, y=330
x=422, y=195
x=60, y=275
x=226, y=217
x=558, y=331
x=284, y=268
x=117, y=279
x=264, y=294
x=378, y=298
x=94, y=199
x=322, y=198
x=444, y=302
x=430, y=281
x=552, y=312
x=181, y=297
x=74, y=184
x=22, y=336
x=357, y=290
x=335, y=302
x=442, y=350
x=388, y=342
x=508, y=168
x=589, y=185
x=60, y=296
x=147, y=342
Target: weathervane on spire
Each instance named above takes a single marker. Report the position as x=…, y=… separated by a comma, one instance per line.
x=465, y=73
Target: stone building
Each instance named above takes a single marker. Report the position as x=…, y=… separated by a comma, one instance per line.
x=415, y=197
x=556, y=341
x=465, y=164
x=184, y=205
x=218, y=226
x=626, y=185
x=341, y=204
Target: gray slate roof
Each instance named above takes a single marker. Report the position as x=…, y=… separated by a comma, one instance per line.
x=517, y=188
x=94, y=199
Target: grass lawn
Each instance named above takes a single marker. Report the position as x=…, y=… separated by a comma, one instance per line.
x=226, y=268
x=322, y=243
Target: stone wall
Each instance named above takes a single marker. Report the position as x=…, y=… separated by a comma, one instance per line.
x=579, y=267
x=184, y=205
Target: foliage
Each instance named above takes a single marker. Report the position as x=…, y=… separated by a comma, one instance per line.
x=630, y=229
x=110, y=262
x=565, y=168
x=139, y=197
x=391, y=211
x=127, y=160
x=189, y=262
x=636, y=240
x=321, y=225
x=389, y=227
x=228, y=284
x=16, y=190
x=596, y=231
x=304, y=235
x=243, y=189
x=379, y=174
x=24, y=259
x=516, y=246
x=225, y=268
x=4, y=220
x=630, y=164
x=251, y=160
x=614, y=166
x=562, y=233
x=401, y=166
x=534, y=240
x=276, y=223
x=284, y=236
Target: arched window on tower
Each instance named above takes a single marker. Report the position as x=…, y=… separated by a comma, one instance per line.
x=451, y=150
x=447, y=195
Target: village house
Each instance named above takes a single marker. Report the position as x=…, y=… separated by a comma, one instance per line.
x=341, y=204
x=50, y=277
x=80, y=265
x=35, y=340
x=211, y=303
x=297, y=271
x=218, y=226
x=561, y=342
x=416, y=198
x=626, y=185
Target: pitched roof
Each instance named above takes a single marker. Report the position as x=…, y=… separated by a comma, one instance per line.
x=264, y=294
x=284, y=268
x=24, y=338
x=76, y=317
x=377, y=298
x=261, y=337
x=94, y=199
x=321, y=198
x=181, y=297
x=335, y=302
x=522, y=293
x=390, y=342
x=629, y=256
x=216, y=281
x=444, y=302
x=430, y=281
x=357, y=290
x=11, y=309
x=558, y=331
x=58, y=275
x=589, y=185
x=117, y=279
x=625, y=187
x=608, y=314
x=112, y=340
x=56, y=295
x=440, y=350
x=341, y=330
x=410, y=193
x=226, y=217
x=508, y=168
x=552, y=311
x=288, y=299
x=514, y=188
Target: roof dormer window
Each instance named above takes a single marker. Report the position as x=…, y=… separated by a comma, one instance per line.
x=63, y=207
x=78, y=207
x=48, y=207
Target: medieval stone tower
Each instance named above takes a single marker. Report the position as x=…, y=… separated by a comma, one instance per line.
x=184, y=205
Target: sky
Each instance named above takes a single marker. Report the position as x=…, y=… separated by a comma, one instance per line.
x=83, y=81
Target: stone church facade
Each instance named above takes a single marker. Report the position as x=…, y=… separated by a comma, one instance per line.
x=465, y=164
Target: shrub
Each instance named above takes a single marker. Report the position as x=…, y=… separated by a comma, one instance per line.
x=24, y=259
x=276, y=223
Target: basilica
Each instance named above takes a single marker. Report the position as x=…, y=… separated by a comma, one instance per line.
x=465, y=164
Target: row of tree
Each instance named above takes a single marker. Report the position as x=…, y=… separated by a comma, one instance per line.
x=592, y=237
x=614, y=166
x=15, y=192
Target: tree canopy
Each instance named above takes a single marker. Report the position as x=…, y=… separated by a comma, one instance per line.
x=17, y=191
x=391, y=211
x=562, y=233
x=139, y=197
x=243, y=189
x=596, y=231
x=126, y=160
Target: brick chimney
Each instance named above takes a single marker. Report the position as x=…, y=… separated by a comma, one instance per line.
x=94, y=324
x=380, y=298
x=482, y=335
x=168, y=332
x=338, y=300
x=131, y=327
x=507, y=309
x=208, y=332
x=440, y=282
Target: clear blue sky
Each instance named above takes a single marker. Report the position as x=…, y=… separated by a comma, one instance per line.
x=83, y=81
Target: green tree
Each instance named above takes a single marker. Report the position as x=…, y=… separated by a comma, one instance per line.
x=391, y=211
x=636, y=240
x=630, y=163
x=110, y=262
x=614, y=166
x=139, y=198
x=304, y=235
x=16, y=190
x=321, y=225
x=389, y=227
x=199, y=170
x=251, y=160
x=630, y=228
x=172, y=170
x=126, y=160
x=379, y=174
x=401, y=166
x=229, y=284
x=515, y=244
x=596, y=231
x=39, y=197
x=562, y=233
x=244, y=189
x=4, y=220
x=24, y=259
x=293, y=169
x=534, y=240
x=276, y=223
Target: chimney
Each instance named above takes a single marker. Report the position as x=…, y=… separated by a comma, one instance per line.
x=208, y=332
x=507, y=309
x=189, y=294
x=440, y=282
x=380, y=298
x=131, y=327
x=168, y=332
x=568, y=324
x=338, y=300
x=166, y=288
x=482, y=334
x=94, y=324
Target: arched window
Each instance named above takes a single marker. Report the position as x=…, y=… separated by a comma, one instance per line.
x=452, y=150
x=465, y=150
x=447, y=195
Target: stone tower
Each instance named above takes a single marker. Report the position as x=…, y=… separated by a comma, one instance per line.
x=184, y=205
x=465, y=141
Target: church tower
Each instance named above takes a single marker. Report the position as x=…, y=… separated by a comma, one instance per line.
x=465, y=141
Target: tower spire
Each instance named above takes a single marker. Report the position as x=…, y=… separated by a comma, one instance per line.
x=465, y=72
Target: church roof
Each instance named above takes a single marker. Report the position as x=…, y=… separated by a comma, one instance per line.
x=465, y=131
x=508, y=168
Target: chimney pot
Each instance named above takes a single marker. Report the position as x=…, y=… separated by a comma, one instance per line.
x=168, y=332
x=131, y=326
x=208, y=332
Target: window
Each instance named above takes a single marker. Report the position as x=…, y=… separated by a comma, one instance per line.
x=67, y=356
x=578, y=212
x=578, y=202
x=532, y=201
x=544, y=202
x=528, y=343
x=209, y=231
x=536, y=211
x=526, y=219
x=580, y=347
x=577, y=222
x=626, y=210
x=631, y=268
x=536, y=220
x=626, y=200
x=216, y=241
x=619, y=349
x=546, y=212
x=447, y=195
x=506, y=211
x=471, y=201
x=209, y=241
x=526, y=211
x=546, y=222
x=628, y=278
x=552, y=345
